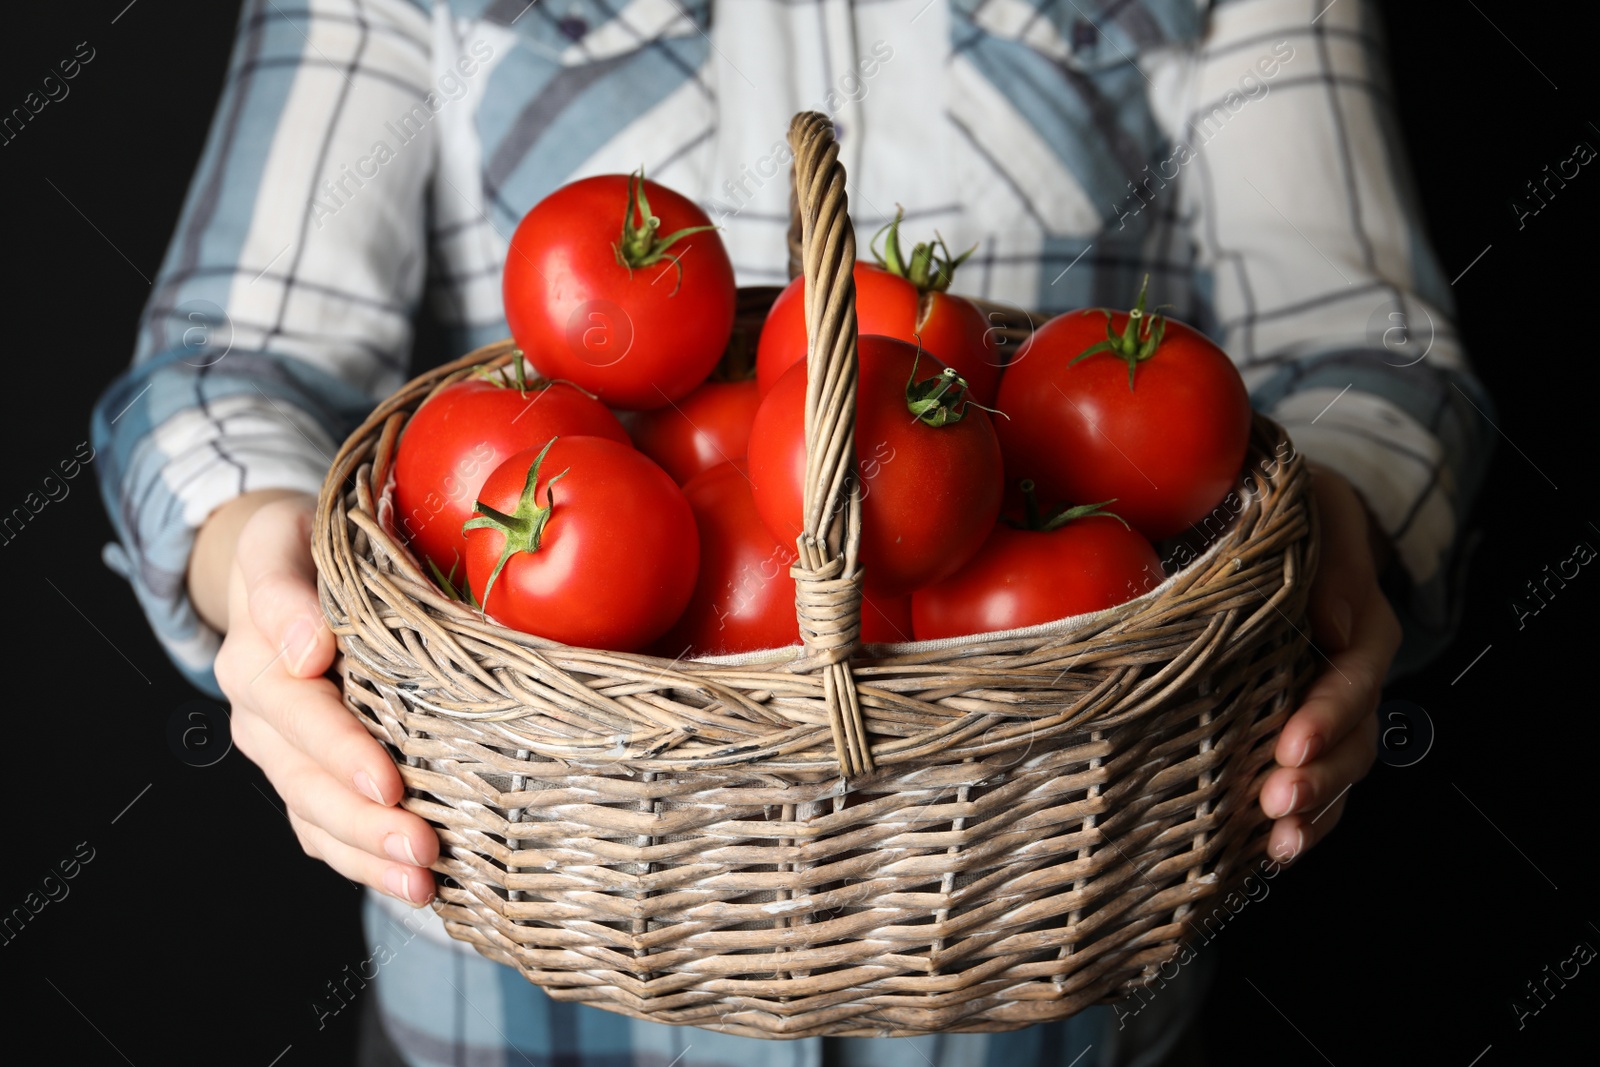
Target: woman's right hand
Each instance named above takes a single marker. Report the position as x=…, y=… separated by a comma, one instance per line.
x=252, y=572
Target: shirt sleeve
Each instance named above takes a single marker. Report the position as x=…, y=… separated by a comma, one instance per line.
x=1325, y=288
x=282, y=310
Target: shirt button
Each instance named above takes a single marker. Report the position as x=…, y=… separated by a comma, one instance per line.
x=1084, y=35
x=573, y=27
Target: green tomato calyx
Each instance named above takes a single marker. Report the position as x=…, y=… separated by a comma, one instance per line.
x=524, y=527
x=518, y=379
x=941, y=400
x=930, y=267
x=1140, y=336
x=640, y=244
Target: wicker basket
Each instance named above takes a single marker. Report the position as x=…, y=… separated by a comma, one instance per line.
x=972, y=835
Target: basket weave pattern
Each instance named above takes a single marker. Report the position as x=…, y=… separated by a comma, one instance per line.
x=999, y=831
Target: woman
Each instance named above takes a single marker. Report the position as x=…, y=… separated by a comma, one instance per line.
x=371, y=154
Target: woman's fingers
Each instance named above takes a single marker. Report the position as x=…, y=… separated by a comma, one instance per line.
x=1330, y=741
x=1353, y=627
x=339, y=783
x=1316, y=795
x=309, y=715
x=318, y=798
x=306, y=712
x=377, y=844
x=1293, y=834
x=1309, y=790
x=382, y=847
x=1346, y=694
x=403, y=882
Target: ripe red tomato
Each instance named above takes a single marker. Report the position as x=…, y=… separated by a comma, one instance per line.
x=950, y=328
x=637, y=317
x=885, y=620
x=930, y=493
x=707, y=428
x=1158, y=418
x=1026, y=577
x=602, y=550
x=744, y=597
x=461, y=434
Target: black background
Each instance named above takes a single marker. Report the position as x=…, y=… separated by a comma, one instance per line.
x=199, y=933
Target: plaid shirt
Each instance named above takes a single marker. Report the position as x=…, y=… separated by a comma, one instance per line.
x=370, y=154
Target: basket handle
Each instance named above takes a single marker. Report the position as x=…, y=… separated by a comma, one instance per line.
x=828, y=574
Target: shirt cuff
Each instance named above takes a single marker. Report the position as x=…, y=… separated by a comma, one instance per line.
x=1414, y=441
x=176, y=443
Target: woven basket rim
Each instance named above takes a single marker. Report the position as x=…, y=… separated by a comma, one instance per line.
x=977, y=656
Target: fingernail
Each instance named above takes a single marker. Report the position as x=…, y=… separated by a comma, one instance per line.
x=397, y=881
x=398, y=846
x=1287, y=807
x=1341, y=616
x=1289, y=852
x=1309, y=750
x=368, y=788
x=1292, y=805
x=300, y=643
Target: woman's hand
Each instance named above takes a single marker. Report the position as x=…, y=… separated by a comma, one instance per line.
x=251, y=575
x=1330, y=741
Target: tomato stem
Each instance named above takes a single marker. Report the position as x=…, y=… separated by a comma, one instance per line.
x=941, y=400
x=927, y=269
x=524, y=527
x=1141, y=335
x=1030, y=504
x=1034, y=519
x=640, y=245
x=520, y=377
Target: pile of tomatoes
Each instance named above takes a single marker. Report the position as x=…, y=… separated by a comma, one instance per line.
x=995, y=494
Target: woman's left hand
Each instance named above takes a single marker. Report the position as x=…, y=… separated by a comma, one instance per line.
x=1331, y=740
